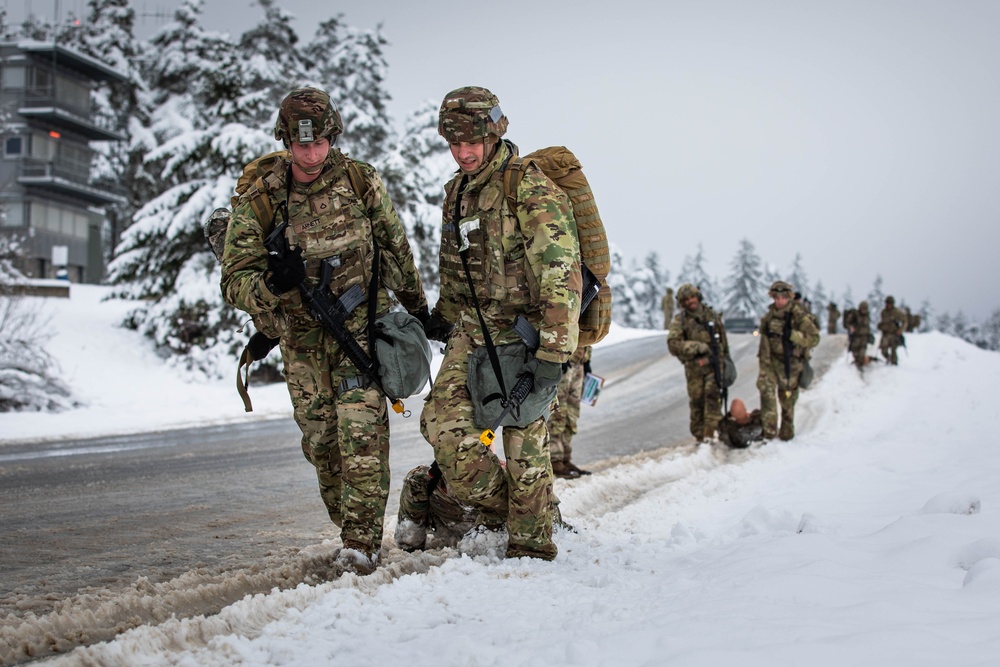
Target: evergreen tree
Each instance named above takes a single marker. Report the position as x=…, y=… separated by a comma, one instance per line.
x=848, y=299
x=198, y=139
x=624, y=312
x=350, y=64
x=693, y=271
x=745, y=293
x=959, y=325
x=414, y=172
x=991, y=332
x=819, y=307
x=925, y=316
x=876, y=297
x=799, y=279
x=944, y=323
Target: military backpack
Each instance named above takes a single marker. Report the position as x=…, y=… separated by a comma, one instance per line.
x=565, y=170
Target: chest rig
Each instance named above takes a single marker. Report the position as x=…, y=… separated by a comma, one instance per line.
x=481, y=222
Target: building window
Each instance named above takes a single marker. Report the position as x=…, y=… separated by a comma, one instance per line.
x=12, y=214
x=14, y=77
x=60, y=220
x=13, y=147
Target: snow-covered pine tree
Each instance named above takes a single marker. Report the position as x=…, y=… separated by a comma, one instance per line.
x=799, y=279
x=414, y=172
x=819, y=304
x=624, y=311
x=744, y=289
x=848, y=300
x=926, y=313
x=876, y=297
x=202, y=130
x=693, y=271
x=350, y=65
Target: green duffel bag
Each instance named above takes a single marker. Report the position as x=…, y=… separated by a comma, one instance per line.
x=404, y=355
x=728, y=371
x=806, y=377
x=485, y=390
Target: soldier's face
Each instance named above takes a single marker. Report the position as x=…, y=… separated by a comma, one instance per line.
x=691, y=303
x=781, y=300
x=308, y=158
x=469, y=155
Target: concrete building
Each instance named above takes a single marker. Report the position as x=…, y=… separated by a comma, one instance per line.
x=47, y=195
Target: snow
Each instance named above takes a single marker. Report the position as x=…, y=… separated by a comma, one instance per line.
x=873, y=538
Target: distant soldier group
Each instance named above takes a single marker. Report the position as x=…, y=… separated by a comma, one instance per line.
x=894, y=323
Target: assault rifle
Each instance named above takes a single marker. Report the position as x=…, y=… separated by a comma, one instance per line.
x=715, y=357
x=786, y=348
x=332, y=312
x=529, y=336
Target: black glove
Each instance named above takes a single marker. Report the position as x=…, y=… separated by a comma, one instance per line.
x=284, y=273
x=260, y=345
x=435, y=326
x=546, y=373
x=587, y=369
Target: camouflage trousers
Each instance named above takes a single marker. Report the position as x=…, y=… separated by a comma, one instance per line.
x=858, y=346
x=345, y=437
x=776, y=390
x=565, y=413
x=704, y=400
x=436, y=510
x=887, y=346
x=521, y=494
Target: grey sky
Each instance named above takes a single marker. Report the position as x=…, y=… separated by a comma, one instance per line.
x=863, y=134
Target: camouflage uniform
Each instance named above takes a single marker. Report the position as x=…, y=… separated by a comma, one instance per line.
x=859, y=333
x=566, y=412
x=773, y=378
x=832, y=317
x=344, y=422
x=426, y=504
x=668, y=307
x=688, y=339
x=892, y=324
x=739, y=436
x=523, y=262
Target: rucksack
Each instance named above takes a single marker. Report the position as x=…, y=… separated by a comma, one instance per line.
x=565, y=170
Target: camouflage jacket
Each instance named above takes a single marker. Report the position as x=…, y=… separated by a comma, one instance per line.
x=688, y=338
x=857, y=322
x=327, y=219
x=892, y=321
x=737, y=436
x=803, y=335
x=832, y=313
x=523, y=262
x=434, y=507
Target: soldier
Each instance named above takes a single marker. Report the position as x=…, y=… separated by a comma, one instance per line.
x=668, y=307
x=911, y=319
x=787, y=333
x=562, y=423
x=832, y=317
x=430, y=516
x=740, y=429
x=343, y=418
x=859, y=333
x=892, y=323
x=690, y=339
x=499, y=261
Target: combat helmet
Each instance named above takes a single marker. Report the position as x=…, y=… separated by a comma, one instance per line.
x=863, y=306
x=781, y=287
x=471, y=114
x=686, y=291
x=307, y=115
x=890, y=302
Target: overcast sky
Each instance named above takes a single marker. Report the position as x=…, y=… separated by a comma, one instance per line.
x=864, y=135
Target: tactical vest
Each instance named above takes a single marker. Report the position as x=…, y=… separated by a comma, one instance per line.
x=328, y=219
x=496, y=248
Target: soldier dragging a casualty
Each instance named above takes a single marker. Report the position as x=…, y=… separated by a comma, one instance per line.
x=857, y=321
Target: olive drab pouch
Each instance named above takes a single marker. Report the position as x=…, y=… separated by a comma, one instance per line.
x=403, y=353
x=806, y=377
x=728, y=371
x=487, y=399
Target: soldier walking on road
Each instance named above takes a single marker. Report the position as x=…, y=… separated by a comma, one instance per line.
x=787, y=333
x=692, y=334
x=343, y=418
x=859, y=333
x=668, y=307
x=499, y=261
x=832, y=317
x=566, y=413
x=892, y=323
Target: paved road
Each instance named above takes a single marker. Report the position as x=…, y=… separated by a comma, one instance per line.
x=94, y=516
